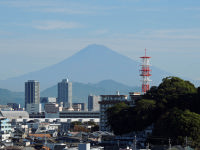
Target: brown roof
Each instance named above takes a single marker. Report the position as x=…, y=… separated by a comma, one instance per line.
x=112, y=101
x=40, y=135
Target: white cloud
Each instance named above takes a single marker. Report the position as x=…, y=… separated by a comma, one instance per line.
x=149, y=9
x=63, y=10
x=67, y=7
x=163, y=34
x=174, y=34
x=75, y=9
x=27, y=3
x=52, y=25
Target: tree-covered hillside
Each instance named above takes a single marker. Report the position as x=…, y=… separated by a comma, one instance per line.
x=172, y=107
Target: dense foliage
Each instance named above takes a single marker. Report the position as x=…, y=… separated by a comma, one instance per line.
x=172, y=92
x=178, y=124
x=172, y=107
x=124, y=119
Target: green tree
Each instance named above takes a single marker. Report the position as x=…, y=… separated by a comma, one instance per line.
x=178, y=124
x=173, y=92
x=145, y=114
x=124, y=119
x=117, y=116
x=158, y=107
x=173, y=87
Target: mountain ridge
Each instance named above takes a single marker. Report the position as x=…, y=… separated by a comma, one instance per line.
x=91, y=64
x=80, y=91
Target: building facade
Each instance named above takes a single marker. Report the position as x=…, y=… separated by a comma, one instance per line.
x=5, y=129
x=14, y=114
x=106, y=102
x=79, y=114
x=76, y=107
x=34, y=108
x=45, y=100
x=32, y=92
x=81, y=106
x=14, y=106
x=52, y=110
x=93, y=103
x=65, y=93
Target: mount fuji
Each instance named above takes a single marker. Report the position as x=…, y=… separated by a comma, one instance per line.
x=90, y=65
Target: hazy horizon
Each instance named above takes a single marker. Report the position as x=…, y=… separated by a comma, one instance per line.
x=37, y=34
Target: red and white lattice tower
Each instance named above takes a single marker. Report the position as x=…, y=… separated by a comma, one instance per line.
x=145, y=73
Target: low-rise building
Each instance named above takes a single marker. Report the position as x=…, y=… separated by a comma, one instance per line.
x=81, y=106
x=5, y=129
x=84, y=146
x=14, y=114
x=34, y=108
x=77, y=107
x=79, y=114
x=5, y=107
x=52, y=110
x=14, y=106
x=134, y=96
x=106, y=102
x=47, y=100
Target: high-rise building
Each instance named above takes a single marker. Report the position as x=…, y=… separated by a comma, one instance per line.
x=65, y=93
x=32, y=92
x=93, y=103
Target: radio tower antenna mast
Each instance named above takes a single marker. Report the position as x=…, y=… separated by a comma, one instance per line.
x=145, y=72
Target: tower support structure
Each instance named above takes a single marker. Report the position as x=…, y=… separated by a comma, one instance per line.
x=145, y=72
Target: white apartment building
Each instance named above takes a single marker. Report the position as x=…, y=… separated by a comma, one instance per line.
x=5, y=129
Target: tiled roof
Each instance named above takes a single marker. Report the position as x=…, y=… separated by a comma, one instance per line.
x=40, y=135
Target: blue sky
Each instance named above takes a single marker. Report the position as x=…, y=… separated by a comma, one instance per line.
x=38, y=33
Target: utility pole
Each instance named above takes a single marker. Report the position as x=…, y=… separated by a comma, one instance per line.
x=135, y=142
x=170, y=144
x=147, y=147
x=45, y=138
x=186, y=143
x=118, y=143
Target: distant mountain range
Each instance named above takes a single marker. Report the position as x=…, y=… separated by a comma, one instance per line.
x=90, y=65
x=7, y=96
x=80, y=91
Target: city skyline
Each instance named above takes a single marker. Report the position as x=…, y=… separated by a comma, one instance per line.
x=37, y=34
